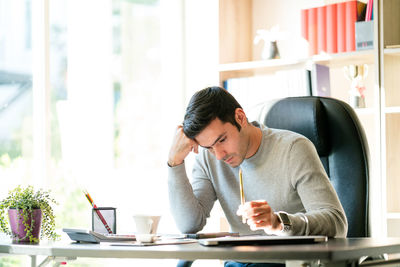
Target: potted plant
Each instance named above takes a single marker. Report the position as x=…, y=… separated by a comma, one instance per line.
x=30, y=215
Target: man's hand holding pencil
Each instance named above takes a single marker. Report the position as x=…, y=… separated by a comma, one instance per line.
x=257, y=214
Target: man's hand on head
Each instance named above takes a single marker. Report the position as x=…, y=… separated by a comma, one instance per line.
x=259, y=215
x=181, y=147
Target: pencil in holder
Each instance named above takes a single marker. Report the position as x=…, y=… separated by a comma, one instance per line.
x=104, y=220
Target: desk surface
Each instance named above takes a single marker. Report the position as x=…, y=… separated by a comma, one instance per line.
x=333, y=251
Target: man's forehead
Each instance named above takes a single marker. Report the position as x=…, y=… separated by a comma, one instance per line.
x=212, y=141
x=212, y=133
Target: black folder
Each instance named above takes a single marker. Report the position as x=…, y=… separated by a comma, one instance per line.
x=262, y=240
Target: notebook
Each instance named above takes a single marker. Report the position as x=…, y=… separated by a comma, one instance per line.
x=262, y=240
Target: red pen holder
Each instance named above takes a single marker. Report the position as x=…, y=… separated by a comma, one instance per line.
x=109, y=220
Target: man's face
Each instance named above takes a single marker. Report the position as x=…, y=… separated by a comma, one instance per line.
x=225, y=141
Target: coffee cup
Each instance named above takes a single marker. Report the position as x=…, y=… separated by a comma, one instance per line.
x=146, y=227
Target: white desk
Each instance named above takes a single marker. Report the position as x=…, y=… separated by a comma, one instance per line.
x=336, y=252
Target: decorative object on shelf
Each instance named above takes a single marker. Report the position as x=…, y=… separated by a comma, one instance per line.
x=29, y=215
x=364, y=35
x=356, y=74
x=320, y=80
x=270, y=38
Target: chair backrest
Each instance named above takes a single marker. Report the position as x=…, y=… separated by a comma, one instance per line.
x=339, y=138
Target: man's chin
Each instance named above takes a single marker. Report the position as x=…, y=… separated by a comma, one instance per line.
x=233, y=164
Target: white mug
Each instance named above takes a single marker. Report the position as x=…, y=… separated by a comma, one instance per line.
x=146, y=227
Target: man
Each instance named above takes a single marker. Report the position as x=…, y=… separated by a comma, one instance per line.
x=285, y=185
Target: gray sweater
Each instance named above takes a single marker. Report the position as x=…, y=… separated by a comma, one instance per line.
x=285, y=171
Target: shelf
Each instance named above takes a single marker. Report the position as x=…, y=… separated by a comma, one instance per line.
x=393, y=215
x=342, y=59
x=271, y=65
x=248, y=68
x=392, y=51
x=390, y=110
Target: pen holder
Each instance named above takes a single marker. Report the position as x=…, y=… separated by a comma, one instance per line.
x=109, y=218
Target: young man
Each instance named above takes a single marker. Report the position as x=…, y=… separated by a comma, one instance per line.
x=285, y=185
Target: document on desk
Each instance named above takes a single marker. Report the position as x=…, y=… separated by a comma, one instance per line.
x=199, y=235
x=174, y=239
x=262, y=240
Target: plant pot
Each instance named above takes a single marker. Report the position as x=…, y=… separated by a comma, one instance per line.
x=19, y=229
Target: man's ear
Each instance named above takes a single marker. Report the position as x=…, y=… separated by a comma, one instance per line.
x=240, y=117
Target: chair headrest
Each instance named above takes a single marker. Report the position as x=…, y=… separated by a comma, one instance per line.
x=305, y=116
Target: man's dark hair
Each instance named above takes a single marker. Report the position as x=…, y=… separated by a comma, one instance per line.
x=207, y=105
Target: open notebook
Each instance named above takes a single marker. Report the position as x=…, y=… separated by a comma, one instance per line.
x=262, y=240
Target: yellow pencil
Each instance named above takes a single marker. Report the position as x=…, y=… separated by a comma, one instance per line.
x=242, y=200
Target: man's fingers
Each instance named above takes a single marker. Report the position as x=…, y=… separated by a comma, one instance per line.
x=257, y=224
x=257, y=203
x=258, y=214
x=259, y=210
x=260, y=221
x=255, y=211
x=180, y=148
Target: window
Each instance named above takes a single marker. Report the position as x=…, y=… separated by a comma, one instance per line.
x=97, y=109
x=16, y=128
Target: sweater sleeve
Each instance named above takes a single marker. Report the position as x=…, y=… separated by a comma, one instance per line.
x=190, y=203
x=324, y=212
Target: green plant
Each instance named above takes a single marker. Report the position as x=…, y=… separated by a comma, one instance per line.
x=27, y=199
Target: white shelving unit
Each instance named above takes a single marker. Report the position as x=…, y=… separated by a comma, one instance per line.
x=389, y=40
x=239, y=57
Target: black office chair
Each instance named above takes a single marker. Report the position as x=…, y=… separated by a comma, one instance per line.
x=339, y=138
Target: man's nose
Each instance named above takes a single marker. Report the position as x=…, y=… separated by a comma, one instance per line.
x=219, y=153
